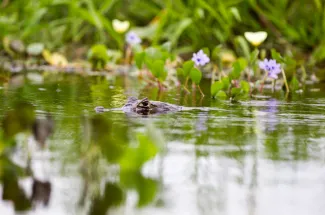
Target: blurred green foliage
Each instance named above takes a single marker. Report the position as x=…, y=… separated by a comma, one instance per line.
x=103, y=139
x=188, y=24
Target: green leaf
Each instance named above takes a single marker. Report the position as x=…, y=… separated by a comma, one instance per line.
x=215, y=53
x=163, y=75
x=165, y=55
x=294, y=84
x=149, y=64
x=98, y=51
x=235, y=91
x=147, y=189
x=134, y=158
x=113, y=194
x=226, y=82
x=187, y=67
x=206, y=51
x=154, y=53
x=238, y=67
x=196, y=76
x=290, y=63
x=253, y=56
x=243, y=45
x=236, y=70
x=175, y=30
x=98, y=56
x=180, y=71
x=243, y=63
x=158, y=70
x=235, y=13
x=139, y=59
x=221, y=95
x=276, y=56
x=244, y=85
x=216, y=87
x=167, y=46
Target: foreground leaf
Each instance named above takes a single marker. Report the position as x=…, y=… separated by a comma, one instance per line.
x=216, y=87
x=196, y=76
x=187, y=67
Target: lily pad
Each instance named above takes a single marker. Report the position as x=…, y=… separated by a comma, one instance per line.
x=17, y=46
x=35, y=49
x=55, y=59
x=13, y=47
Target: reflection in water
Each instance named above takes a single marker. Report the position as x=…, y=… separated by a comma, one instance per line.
x=271, y=110
x=268, y=115
x=42, y=129
x=41, y=192
x=230, y=158
x=21, y=119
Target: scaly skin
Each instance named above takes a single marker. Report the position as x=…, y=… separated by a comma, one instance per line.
x=145, y=107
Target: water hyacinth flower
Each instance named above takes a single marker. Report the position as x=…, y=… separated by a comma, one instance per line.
x=256, y=38
x=132, y=38
x=200, y=58
x=271, y=67
x=120, y=26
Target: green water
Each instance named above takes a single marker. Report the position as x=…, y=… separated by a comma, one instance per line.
x=259, y=156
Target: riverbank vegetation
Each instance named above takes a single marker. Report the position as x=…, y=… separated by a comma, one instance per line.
x=159, y=36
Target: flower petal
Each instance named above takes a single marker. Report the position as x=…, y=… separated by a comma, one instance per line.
x=255, y=38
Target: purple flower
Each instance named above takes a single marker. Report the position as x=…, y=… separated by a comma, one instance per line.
x=271, y=67
x=200, y=58
x=132, y=38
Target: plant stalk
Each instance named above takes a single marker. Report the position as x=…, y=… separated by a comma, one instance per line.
x=285, y=80
x=202, y=94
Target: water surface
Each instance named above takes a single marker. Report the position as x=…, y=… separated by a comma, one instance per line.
x=260, y=156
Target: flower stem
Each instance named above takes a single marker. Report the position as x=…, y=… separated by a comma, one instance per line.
x=186, y=81
x=200, y=90
x=128, y=54
x=185, y=88
x=160, y=86
x=262, y=84
x=185, y=85
x=214, y=71
x=285, y=80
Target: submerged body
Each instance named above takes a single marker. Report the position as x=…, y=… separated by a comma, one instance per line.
x=145, y=107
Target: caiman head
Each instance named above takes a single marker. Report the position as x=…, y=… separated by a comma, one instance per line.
x=144, y=107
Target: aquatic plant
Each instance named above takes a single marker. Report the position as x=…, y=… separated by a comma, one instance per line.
x=98, y=56
x=256, y=38
x=226, y=88
x=120, y=26
x=189, y=71
x=154, y=59
x=200, y=58
x=132, y=38
x=271, y=67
